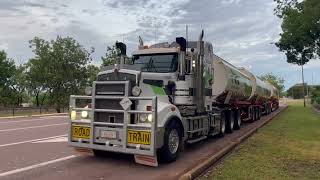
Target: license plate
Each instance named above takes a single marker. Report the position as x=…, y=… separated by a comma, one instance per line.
x=139, y=137
x=108, y=134
x=81, y=132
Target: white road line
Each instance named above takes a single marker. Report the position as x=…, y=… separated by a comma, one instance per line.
x=42, y=119
x=32, y=140
x=36, y=166
x=32, y=127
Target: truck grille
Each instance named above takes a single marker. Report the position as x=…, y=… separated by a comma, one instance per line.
x=111, y=88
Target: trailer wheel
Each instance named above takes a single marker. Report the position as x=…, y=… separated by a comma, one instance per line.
x=172, y=142
x=222, y=124
x=229, y=121
x=256, y=112
x=259, y=112
x=237, y=119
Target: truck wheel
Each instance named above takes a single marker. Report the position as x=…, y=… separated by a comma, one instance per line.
x=222, y=129
x=172, y=142
x=229, y=121
x=237, y=119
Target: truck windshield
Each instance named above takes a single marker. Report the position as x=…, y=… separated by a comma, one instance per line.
x=162, y=63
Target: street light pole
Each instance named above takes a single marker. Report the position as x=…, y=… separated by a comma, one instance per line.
x=303, y=89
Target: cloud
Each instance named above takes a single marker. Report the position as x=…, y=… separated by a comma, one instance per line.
x=242, y=32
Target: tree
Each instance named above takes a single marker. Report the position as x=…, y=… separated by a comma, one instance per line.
x=274, y=80
x=63, y=64
x=36, y=81
x=7, y=69
x=111, y=57
x=92, y=71
x=300, y=39
x=17, y=85
x=315, y=95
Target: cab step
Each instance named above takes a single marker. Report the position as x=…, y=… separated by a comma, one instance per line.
x=191, y=141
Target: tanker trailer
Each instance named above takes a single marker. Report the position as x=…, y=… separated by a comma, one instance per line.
x=260, y=95
x=237, y=89
x=274, y=97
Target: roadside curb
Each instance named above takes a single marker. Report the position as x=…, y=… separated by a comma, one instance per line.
x=38, y=115
x=200, y=168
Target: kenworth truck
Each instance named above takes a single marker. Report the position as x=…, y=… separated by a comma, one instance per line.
x=167, y=95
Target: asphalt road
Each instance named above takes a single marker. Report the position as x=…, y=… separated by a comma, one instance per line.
x=36, y=148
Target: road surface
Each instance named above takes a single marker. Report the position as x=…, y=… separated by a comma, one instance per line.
x=36, y=148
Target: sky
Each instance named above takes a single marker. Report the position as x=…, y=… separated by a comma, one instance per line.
x=242, y=32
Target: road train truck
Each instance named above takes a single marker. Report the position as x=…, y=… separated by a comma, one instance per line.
x=165, y=96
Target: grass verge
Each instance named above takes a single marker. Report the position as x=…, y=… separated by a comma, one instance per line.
x=286, y=148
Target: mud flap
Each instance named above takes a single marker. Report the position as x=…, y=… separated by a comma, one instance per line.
x=146, y=160
x=83, y=151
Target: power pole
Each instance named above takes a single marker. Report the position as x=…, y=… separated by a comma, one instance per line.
x=303, y=88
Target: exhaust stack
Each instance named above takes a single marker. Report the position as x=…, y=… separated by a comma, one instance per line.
x=199, y=86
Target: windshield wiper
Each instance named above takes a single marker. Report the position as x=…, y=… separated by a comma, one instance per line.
x=151, y=65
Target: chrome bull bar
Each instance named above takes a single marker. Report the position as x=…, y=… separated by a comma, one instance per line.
x=121, y=145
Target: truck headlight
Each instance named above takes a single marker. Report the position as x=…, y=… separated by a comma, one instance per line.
x=143, y=117
x=136, y=91
x=84, y=114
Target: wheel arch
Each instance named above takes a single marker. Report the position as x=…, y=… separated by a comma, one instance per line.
x=178, y=120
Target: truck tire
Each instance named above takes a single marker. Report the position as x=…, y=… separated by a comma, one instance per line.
x=237, y=119
x=229, y=121
x=172, y=142
x=222, y=128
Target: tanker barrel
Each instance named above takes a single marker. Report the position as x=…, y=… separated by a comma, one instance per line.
x=199, y=86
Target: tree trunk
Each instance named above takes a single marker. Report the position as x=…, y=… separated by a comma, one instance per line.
x=58, y=109
x=43, y=98
x=37, y=99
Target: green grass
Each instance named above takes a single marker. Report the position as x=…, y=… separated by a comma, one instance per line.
x=286, y=148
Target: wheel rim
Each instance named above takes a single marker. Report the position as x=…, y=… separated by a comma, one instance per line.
x=231, y=123
x=173, y=141
x=223, y=126
x=239, y=120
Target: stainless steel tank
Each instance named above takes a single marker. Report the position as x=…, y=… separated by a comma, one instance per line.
x=260, y=90
x=229, y=83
